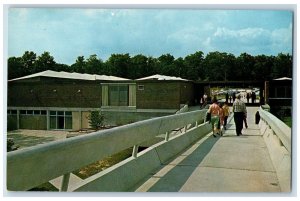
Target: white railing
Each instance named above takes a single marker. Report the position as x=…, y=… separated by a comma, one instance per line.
x=184, y=109
x=279, y=128
x=30, y=167
x=277, y=136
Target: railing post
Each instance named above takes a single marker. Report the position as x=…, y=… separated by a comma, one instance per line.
x=167, y=136
x=65, y=182
x=185, y=128
x=135, y=151
x=196, y=125
x=18, y=119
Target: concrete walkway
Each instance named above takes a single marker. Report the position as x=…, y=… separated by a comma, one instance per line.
x=224, y=164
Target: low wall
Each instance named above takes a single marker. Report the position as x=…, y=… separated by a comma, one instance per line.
x=125, y=175
x=277, y=137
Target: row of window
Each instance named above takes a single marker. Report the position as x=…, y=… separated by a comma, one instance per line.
x=27, y=112
x=40, y=112
x=58, y=119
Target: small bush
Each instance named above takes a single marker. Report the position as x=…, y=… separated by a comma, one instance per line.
x=11, y=145
x=96, y=119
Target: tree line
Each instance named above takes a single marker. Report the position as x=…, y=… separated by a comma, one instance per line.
x=215, y=66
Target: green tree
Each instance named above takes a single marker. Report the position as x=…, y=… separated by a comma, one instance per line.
x=262, y=67
x=94, y=65
x=229, y=66
x=62, y=67
x=180, y=68
x=193, y=66
x=151, y=67
x=245, y=64
x=15, y=67
x=80, y=65
x=217, y=66
x=28, y=59
x=44, y=62
x=118, y=64
x=283, y=65
x=165, y=65
x=139, y=64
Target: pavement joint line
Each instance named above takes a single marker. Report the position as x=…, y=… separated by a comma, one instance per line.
x=237, y=169
x=186, y=165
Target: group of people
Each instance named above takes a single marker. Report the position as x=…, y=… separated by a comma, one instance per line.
x=219, y=114
x=247, y=95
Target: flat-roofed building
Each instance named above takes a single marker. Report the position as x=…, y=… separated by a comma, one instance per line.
x=61, y=100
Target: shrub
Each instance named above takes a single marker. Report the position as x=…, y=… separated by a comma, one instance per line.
x=11, y=145
x=96, y=119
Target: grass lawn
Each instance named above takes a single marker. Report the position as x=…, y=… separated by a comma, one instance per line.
x=288, y=121
x=107, y=162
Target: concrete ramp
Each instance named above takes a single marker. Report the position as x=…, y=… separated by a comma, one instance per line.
x=224, y=164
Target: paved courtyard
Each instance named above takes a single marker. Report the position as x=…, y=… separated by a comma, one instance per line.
x=26, y=138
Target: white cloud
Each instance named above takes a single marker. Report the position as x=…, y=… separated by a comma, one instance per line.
x=254, y=40
x=249, y=33
x=282, y=38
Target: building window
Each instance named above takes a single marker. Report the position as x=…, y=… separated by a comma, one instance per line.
x=60, y=120
x=37, y=112
x=118, y=95
x=12, y=112
x=141, y=87
x=31, y=112
x=283, y=92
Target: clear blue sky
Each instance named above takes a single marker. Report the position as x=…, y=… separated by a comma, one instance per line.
x=68, y=33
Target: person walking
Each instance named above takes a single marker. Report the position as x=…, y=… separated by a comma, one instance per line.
x=248, y=97
x=226, y=112
x=214, y=111
x=245, y=120
x=233, y=96
x=227, y=97
x=239, y=110
x=221, y=120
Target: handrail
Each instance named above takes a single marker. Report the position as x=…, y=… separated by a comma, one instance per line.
x=280, y=129
x=185, y=108
x=32, y=166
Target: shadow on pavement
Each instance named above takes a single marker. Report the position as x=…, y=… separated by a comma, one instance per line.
x=179, y=174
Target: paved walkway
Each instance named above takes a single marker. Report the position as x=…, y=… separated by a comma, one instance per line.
x=224, y=164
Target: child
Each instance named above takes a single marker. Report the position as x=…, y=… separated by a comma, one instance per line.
x=221, y=119
x=214, y=111
x=226, y=112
